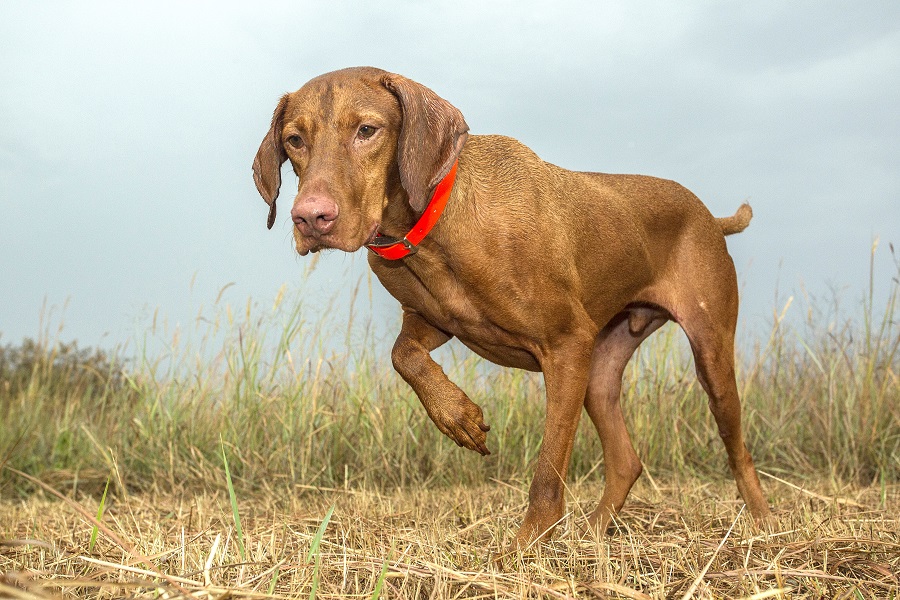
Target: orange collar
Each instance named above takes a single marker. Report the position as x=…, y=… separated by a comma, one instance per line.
x=392, y=248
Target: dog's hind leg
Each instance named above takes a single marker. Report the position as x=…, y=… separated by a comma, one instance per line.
x=708, y=314
x=613, y=347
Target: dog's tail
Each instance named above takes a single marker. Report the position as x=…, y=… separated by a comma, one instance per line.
x=737, y=222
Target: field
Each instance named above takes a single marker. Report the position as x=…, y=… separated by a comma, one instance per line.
x=248, y=458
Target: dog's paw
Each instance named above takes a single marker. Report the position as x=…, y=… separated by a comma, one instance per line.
x=463, y=422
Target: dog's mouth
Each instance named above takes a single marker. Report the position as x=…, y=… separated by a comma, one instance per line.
x=373, y=233
x=307, y=244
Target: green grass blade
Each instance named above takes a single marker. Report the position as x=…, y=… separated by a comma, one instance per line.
x=377, y=593
x=314, y=547
x=315, y=581
x=100, y=510
x=234, y=506
x=314, y=551
x=274, y=581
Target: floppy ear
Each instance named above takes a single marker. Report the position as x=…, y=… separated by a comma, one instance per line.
x=431, y=137
x=268, y=161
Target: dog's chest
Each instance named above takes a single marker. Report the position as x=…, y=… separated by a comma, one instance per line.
x=459, y=304
x=447, y=300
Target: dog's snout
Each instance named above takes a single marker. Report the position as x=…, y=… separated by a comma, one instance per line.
x=315, y=215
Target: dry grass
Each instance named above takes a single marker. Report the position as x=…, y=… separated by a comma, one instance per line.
x=302, y=429
x=675, y=539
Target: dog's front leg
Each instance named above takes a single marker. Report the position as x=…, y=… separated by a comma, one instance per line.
x=566, y=367
x=452, y=411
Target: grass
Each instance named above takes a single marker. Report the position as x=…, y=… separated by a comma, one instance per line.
x=439, y=542
x=224, y=451
x=239, y=531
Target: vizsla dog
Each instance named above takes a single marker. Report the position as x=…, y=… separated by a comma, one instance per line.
x=528, y=264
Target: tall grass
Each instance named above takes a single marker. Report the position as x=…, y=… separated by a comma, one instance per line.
x=821, y=397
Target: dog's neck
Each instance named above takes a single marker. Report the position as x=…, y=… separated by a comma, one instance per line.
x=393, y=247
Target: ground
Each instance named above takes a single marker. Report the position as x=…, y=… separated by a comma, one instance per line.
x=681, y=538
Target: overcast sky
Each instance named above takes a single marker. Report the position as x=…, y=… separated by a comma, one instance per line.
x=127, y=131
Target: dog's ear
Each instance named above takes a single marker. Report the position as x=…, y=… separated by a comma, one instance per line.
x=431, y=137
x=268, y=161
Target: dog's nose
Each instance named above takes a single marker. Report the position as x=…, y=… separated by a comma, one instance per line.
x=315, y=215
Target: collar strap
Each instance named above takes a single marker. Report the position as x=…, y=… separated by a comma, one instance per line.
x=394, y=249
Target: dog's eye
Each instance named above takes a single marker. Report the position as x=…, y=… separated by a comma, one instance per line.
x=366, y=131
x=296, y=141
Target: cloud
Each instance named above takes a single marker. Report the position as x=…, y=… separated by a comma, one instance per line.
x=128, y=130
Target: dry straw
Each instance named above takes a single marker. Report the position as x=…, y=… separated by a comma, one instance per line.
x=224, y=448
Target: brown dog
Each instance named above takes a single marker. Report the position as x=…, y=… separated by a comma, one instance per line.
x=530, y=265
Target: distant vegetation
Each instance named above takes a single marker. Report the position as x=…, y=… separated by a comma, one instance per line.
x=63, y=369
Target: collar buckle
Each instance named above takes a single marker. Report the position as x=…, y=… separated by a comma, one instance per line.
x=382, y=242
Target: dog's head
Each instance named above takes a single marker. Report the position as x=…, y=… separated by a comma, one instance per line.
x=368, y=147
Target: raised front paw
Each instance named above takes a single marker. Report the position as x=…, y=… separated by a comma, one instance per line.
x=463, y=422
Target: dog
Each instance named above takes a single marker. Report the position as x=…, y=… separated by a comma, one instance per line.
x=529, y=265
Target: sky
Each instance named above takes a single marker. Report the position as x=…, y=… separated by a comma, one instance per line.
x=127, y=132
